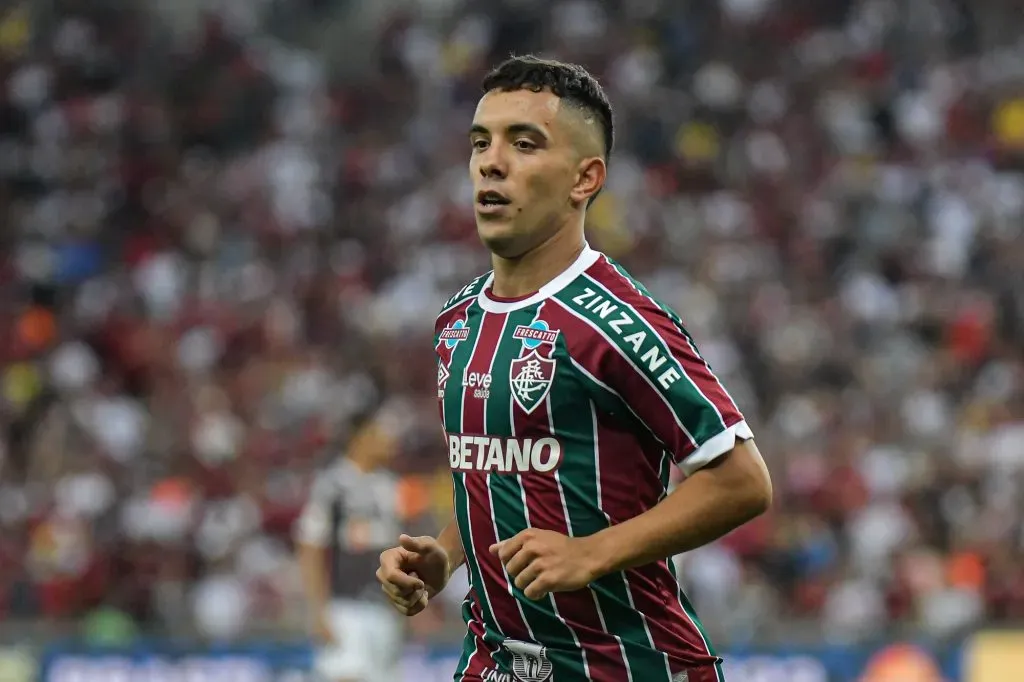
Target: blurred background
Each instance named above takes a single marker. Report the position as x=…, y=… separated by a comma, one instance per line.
x=228, y=225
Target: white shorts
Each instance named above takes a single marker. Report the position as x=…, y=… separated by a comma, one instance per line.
x=368, y=643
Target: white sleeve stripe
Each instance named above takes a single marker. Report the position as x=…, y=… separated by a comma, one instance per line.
x=715, y=447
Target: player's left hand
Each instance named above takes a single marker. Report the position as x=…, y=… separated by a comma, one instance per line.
x=543, y=561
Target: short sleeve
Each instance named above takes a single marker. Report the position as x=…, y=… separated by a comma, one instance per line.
x=658, y=372
x=632, y=346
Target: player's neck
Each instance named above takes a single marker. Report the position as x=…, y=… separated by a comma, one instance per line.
x=517, y=277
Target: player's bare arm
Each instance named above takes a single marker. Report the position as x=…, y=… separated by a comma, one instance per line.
x=311, y=549
x=419, y=568
x=722, y=496
x=716, y=499
x=312, y=560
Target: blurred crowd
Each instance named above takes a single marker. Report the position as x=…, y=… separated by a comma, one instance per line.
x=223, y=247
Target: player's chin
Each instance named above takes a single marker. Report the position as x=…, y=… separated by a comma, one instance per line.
x=500, y=238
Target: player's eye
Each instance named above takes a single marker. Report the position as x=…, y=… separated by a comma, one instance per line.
x=479, y=144
x=524, y=145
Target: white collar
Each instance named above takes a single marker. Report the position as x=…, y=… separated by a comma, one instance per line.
x=586, y=258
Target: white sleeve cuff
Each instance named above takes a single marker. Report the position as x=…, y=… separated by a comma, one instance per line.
x=715, y=447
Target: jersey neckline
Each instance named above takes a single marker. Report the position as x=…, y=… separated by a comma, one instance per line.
x=507, y=299
x=586, y=258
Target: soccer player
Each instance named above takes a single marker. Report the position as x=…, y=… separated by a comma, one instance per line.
x=566, y=392
x=351, y=514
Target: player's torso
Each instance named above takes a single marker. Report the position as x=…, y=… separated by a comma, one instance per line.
x=525, y=428
x=501, y=376
x=516, y=413
x=520, y=433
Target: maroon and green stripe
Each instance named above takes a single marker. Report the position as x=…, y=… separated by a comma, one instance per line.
x=499, y=617
x=548, y=507
x=682, y=640
x=699, y=383
x=511, y=516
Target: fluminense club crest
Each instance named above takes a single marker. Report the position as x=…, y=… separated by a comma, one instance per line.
x=530, y=378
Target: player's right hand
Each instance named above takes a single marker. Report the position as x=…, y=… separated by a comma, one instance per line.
x=413, y=572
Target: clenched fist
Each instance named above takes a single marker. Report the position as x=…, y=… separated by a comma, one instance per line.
x=414, y=572
x=543, y=561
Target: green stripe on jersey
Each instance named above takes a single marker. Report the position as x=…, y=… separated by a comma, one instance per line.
x=692, y=615
x=510, y=513
x=452, y=406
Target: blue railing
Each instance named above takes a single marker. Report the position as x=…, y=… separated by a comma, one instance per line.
x=162, y=661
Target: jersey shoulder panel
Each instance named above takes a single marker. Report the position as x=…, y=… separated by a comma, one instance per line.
x=600, y=317
x=615, y=307
x=616, y=332
x=471, y=290
x=633, y=291
x=455, y=307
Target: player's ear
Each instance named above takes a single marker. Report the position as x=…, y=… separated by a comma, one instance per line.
x=591, y=174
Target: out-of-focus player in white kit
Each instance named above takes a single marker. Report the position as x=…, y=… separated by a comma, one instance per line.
x=351, y=515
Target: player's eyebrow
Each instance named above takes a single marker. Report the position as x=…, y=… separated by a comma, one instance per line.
x=512, y=129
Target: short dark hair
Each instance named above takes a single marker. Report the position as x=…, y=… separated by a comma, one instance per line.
x=570, y=82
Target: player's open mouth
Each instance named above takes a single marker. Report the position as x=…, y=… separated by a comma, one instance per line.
x=490, y=198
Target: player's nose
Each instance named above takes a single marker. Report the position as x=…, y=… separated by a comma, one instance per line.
x=493, y=163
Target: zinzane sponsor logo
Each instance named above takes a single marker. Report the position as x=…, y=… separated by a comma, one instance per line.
x=466, y=291
x=647, y=348
x=492, y=455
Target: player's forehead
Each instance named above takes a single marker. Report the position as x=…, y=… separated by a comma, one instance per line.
x=498, y=110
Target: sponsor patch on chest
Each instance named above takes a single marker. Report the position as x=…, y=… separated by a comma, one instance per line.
x=451, y=335
x=494, y=455
x=477, y=384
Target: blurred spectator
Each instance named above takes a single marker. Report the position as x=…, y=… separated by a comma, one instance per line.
x=217, y=255
x=356, y=510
